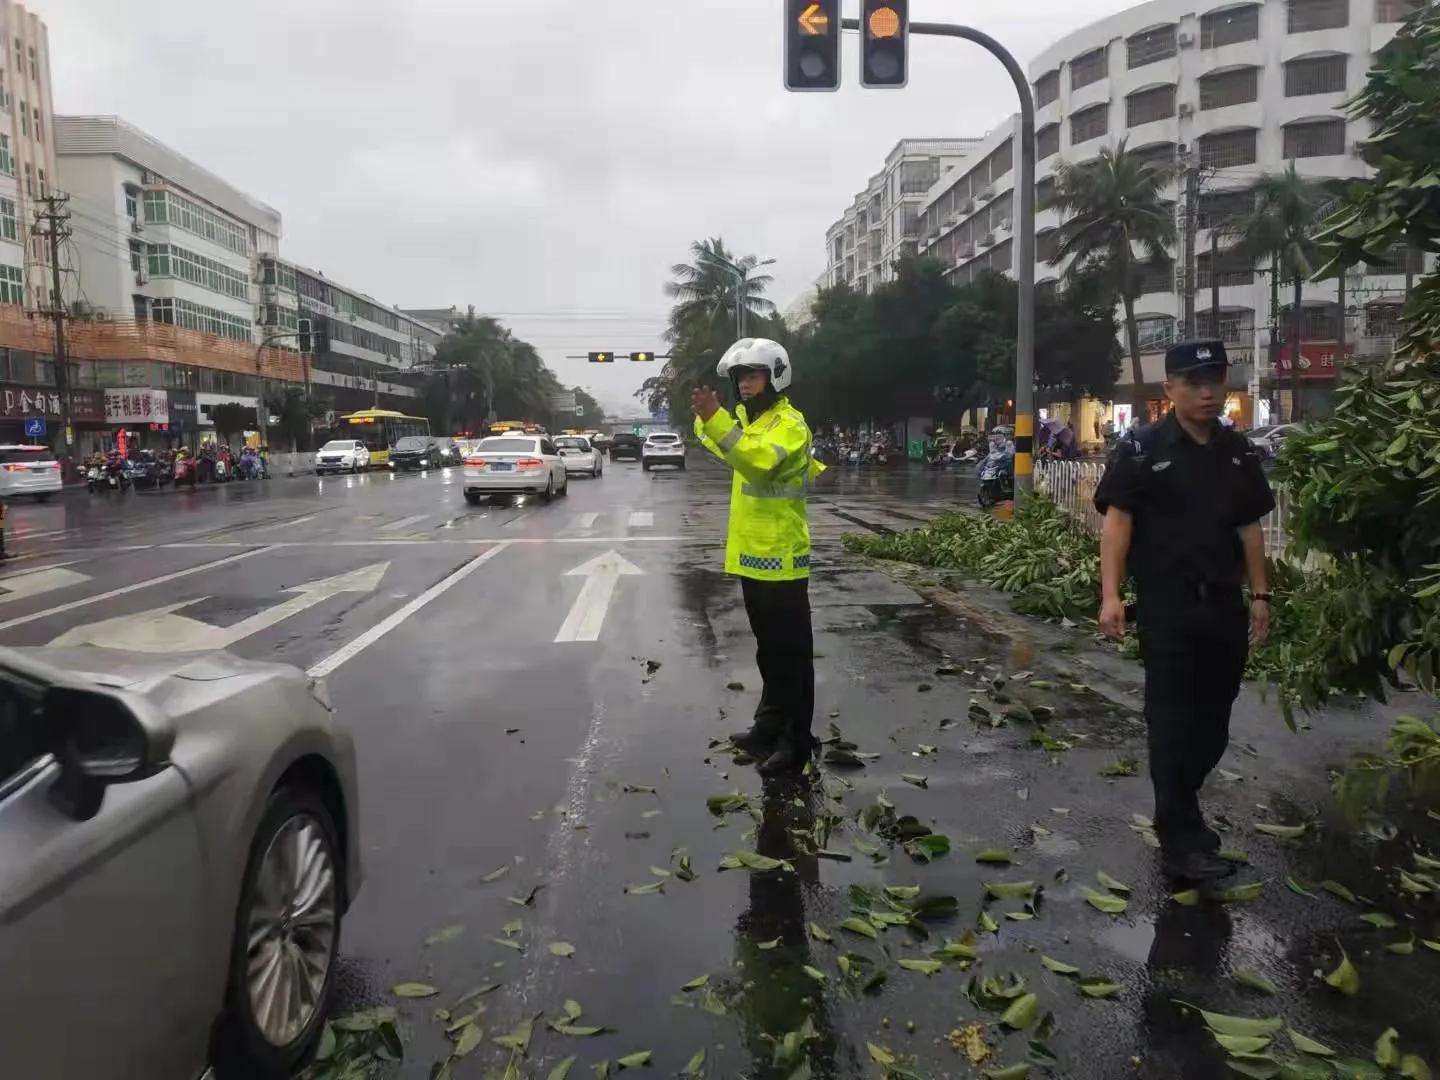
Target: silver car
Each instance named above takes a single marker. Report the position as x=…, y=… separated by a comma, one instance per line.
x=580, y=455
x=178, y=844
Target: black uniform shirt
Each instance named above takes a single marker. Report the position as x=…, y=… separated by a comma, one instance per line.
x=1188, y=500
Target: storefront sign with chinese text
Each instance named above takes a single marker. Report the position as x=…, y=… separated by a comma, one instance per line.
x=124, y=405
x=21, y=401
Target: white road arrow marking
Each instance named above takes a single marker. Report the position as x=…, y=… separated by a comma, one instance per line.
x=161, y=630
x=19, y=586
x=587, y=614
x=641, y=519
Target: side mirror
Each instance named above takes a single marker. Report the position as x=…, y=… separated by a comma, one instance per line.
x=101, y=738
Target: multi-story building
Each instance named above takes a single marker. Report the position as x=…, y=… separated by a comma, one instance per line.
x=882, y=222
x=362, y=350
x=1230, y=93
x=27, y=156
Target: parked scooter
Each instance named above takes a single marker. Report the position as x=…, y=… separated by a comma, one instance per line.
x=997, y=478
x=251, y=465
x=187, y=469
x=111, y=473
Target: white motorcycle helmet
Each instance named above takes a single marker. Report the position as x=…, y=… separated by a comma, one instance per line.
x=757, y=353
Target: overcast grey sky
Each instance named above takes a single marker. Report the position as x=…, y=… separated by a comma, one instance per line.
x=544, y=161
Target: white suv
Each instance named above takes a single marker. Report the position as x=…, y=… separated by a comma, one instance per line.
x=662, y=448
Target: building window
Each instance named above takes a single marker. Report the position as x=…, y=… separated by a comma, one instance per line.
x=1229, y=270
x=1230, y=27
x=1319, y=322
x=1089, y=124
x=1234, y=87
x=1147, y=106
x=1320, y=138
x=7, y=163
x=9, y=228
x=1044, y=192
x=44, y=187
x=170, y=260
x=1087, y=68
x=39, y=128
x=1155, y=332
x=29, y=180
x=1157, y=277
x=34, y=65
x=24, y=119
x=1306, y=15
x=132, y=207
x=1047, y=141
x=207, y=320
x=1315, y=75
x=12, y=285
x=137, y=256
x=1382, y=320
x=1150, y=46
x=1388, y=11
x=1221, y=209
x=20, y=56
x=1237, y=326
x=1047, y=88
x=1227, y=149
x=1159, y=155
x=169, y=207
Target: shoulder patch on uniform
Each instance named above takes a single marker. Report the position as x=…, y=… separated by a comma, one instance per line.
x=1236, y=460
x=1160, y=466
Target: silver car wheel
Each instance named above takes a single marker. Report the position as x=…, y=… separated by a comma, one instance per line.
x=291, y=930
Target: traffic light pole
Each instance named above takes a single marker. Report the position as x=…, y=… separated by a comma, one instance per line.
x=1025, y=273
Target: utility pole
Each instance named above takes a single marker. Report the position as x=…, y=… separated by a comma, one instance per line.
x=1192, y=223
x=57, y=219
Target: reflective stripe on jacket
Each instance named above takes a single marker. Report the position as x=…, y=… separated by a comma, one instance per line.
x=768, y=537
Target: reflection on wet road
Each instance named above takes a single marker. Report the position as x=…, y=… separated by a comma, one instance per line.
x=528, y=796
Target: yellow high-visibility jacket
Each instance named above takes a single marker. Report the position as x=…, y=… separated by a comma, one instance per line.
x=769, y=537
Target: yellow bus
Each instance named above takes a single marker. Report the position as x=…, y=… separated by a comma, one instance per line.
x=380, y=429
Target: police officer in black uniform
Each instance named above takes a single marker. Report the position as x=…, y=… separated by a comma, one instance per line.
x=1182, y=502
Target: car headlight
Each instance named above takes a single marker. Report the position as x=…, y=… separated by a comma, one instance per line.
x=392, y=464
x=424, y=461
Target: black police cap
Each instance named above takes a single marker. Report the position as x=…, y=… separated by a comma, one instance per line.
x=1193, y=355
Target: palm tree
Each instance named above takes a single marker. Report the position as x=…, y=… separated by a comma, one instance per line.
x=1281, y=228
x=1116, y=219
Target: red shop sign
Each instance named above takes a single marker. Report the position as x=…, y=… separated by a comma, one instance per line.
x=1317, y=359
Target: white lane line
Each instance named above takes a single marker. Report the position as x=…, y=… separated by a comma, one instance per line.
x=403, y=522
x=124, y=589
x=41, y=535
x=641, y=519
x=586, y=521
x=358, y=645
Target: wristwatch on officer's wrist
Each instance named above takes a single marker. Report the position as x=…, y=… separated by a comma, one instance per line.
x=1267, y=597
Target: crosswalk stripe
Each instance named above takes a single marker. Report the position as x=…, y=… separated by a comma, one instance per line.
x=403, y=522
x=641, y=519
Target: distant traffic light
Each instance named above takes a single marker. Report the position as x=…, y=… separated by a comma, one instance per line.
x=642, y=357
x=884, y=43
x=812, y=44
x=602, y=358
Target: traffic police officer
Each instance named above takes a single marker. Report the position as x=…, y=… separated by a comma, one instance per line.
x=1182, y=502
x=767, y=444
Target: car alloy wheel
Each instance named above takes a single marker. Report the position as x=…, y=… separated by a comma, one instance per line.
x=291, y=930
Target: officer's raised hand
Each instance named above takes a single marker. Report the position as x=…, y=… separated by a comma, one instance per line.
x=705, y=402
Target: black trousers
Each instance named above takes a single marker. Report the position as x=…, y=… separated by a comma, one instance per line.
x=779, y=614
x=1194, y=653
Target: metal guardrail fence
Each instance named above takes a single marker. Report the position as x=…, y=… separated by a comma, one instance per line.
x=1071, y=486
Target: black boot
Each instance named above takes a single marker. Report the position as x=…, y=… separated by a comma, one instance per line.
x=787, y=757
x=761, y=737
x=1195, y=867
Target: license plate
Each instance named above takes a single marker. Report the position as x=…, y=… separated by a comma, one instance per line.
x=501, y=466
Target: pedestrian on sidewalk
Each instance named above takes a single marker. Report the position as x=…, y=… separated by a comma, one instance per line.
x=1182, y=501
x=767, y=444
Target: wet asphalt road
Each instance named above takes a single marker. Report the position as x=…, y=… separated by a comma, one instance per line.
x=506, y=776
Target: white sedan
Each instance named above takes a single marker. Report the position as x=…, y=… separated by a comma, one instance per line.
x=515, y=465
x=580, y=455
x=342, y=455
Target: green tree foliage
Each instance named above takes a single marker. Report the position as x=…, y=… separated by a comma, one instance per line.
x=232, y=418
x=884, y=356
x=297, y=412
x=1111, y=207
x=1402, y=205
x=1365, y=483
x=702, y=320
x=481, y=367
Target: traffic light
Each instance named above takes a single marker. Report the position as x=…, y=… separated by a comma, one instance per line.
x=304, y=330
x=602, y=358
x=884, y=43
x=812, y=44
x=642, y=357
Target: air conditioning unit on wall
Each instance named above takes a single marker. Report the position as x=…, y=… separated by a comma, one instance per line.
x=1186, y=109
x=1185, y=41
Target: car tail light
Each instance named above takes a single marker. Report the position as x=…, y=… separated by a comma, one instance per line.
x=530, y=463
x=475, y=463
x=55, y=465
x=16, y=468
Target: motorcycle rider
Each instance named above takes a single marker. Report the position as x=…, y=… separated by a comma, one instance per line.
x=767, y=444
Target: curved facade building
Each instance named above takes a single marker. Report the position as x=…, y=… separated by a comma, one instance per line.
x=1228, y=92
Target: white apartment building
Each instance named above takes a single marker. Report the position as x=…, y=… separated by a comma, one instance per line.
x=1236, y=90
x=882, y=221
x=27, y=156
x=158, y=237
